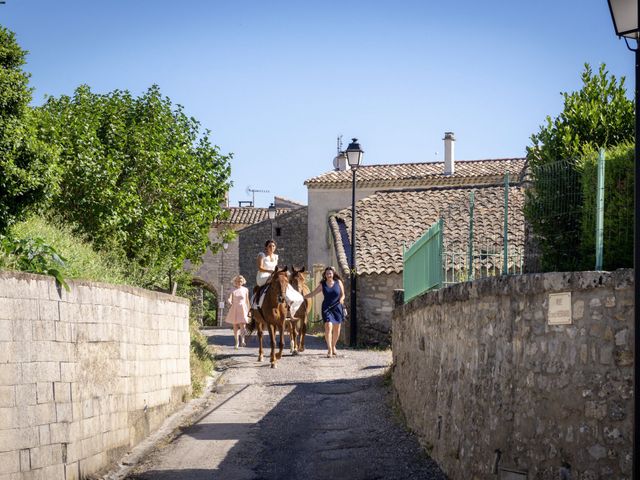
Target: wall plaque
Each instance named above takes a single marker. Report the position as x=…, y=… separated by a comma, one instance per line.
x=560, y=308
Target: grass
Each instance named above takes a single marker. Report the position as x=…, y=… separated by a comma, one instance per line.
x=81, y=260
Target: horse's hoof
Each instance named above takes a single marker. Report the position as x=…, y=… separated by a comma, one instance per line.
x=278, y=356
x=295, y=352
x=301, y=350
x=273, y=365
x=259, y=359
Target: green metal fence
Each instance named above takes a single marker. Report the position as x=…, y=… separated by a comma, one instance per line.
x=469, y=240
x=581, y=212
x=423, y=263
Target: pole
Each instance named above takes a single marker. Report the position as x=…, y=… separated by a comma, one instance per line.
x=472, y=197
x=505, y=237
x=600, y=210
x=353, y=332
x=636, y=277
x=221, y=300
x=271, y=229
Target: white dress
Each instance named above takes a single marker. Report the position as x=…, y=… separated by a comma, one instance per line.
x=293, y=297
x=269, y=264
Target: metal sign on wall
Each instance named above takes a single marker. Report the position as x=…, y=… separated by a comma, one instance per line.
x=560, y=308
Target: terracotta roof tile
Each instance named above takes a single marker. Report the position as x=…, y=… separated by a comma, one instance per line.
x=386, y=220
x=422, y=174
x=249, y=215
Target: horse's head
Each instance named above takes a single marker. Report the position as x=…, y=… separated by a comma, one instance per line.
x=280, y=282
x=298, y=277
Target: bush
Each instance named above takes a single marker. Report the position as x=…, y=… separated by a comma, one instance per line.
x=618, y=207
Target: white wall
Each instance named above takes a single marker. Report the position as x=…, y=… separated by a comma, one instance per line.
x=84, y=375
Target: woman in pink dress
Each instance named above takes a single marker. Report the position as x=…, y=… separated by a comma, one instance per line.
x=238, y=313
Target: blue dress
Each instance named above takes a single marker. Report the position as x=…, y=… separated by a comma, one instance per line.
x=332, y=310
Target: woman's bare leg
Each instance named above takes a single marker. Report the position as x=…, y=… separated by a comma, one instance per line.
x=336, y=336
x=235, y=334
x=327, y=337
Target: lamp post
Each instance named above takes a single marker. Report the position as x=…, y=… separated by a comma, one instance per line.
x=626, y=20
x=225, y=245
x=354, y=156
x=271, y=212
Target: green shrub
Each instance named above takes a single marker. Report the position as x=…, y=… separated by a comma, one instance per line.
x=618, y=207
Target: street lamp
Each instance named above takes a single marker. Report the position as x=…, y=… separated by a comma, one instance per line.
x=354, y=157
x=225, y=245
x=271, y=212
x=626, y=20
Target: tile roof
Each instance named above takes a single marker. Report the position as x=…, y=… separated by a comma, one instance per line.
x=423, y=174
x=386, y=220
x=249, y=215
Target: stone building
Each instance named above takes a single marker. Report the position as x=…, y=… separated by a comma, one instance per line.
x=396, y=203
x=388, y=221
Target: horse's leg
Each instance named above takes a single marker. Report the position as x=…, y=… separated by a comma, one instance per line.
x=259, y=327
x=293, y=331
x=303, y=331
x=272, y=337
x=281, y=330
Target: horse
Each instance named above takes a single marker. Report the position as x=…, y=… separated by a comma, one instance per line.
x=298, y=323
x=272, y=313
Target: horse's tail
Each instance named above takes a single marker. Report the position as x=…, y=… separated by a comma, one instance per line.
x=251, y=326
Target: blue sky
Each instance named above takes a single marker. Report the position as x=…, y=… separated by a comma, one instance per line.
x=277, y=81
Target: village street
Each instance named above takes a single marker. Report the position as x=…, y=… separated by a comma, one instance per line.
x=310, y=418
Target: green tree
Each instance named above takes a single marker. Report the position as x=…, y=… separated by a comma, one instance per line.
x=137, y=176
x=26, y=163
x=598, y=115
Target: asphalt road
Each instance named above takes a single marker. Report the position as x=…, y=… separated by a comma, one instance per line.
x=311, y=418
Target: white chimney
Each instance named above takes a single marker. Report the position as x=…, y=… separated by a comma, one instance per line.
x=449, y=156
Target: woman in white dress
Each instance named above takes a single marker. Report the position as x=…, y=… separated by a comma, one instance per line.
x=267, y=262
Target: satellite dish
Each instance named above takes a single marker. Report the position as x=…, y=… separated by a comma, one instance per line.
x=248, y=190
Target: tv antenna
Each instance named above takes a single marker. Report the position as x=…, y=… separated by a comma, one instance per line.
x=339, y=144
x=253, y=192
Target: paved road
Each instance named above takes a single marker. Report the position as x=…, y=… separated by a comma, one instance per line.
x=311, y=418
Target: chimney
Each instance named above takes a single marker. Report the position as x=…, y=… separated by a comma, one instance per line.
x=449, y=156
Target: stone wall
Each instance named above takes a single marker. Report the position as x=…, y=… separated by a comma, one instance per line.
x=375, y=306
x=85, y=374
x=290, y=234
x=493, y=390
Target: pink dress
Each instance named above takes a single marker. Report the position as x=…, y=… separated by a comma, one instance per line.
x=238, y=312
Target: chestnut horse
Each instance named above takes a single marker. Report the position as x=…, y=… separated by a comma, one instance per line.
x=272, y=313
x=298, y=324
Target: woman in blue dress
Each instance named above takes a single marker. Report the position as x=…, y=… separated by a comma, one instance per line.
x=332, y=307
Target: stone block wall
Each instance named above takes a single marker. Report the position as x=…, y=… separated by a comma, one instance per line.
x=494, y=391
x=85, y=374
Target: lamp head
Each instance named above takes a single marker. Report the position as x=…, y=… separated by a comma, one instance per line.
x=271, y=211
x=625, y=17
x=354, y=153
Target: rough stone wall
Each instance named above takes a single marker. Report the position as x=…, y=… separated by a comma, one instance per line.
x=488, y=384
x=85, y=374
x=375, y=306
x=292, y=242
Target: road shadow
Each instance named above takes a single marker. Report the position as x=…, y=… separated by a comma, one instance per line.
x=320, y=430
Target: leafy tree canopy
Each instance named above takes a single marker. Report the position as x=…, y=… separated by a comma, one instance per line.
x=137, y=176
x=598, y=115
x=26, y=164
